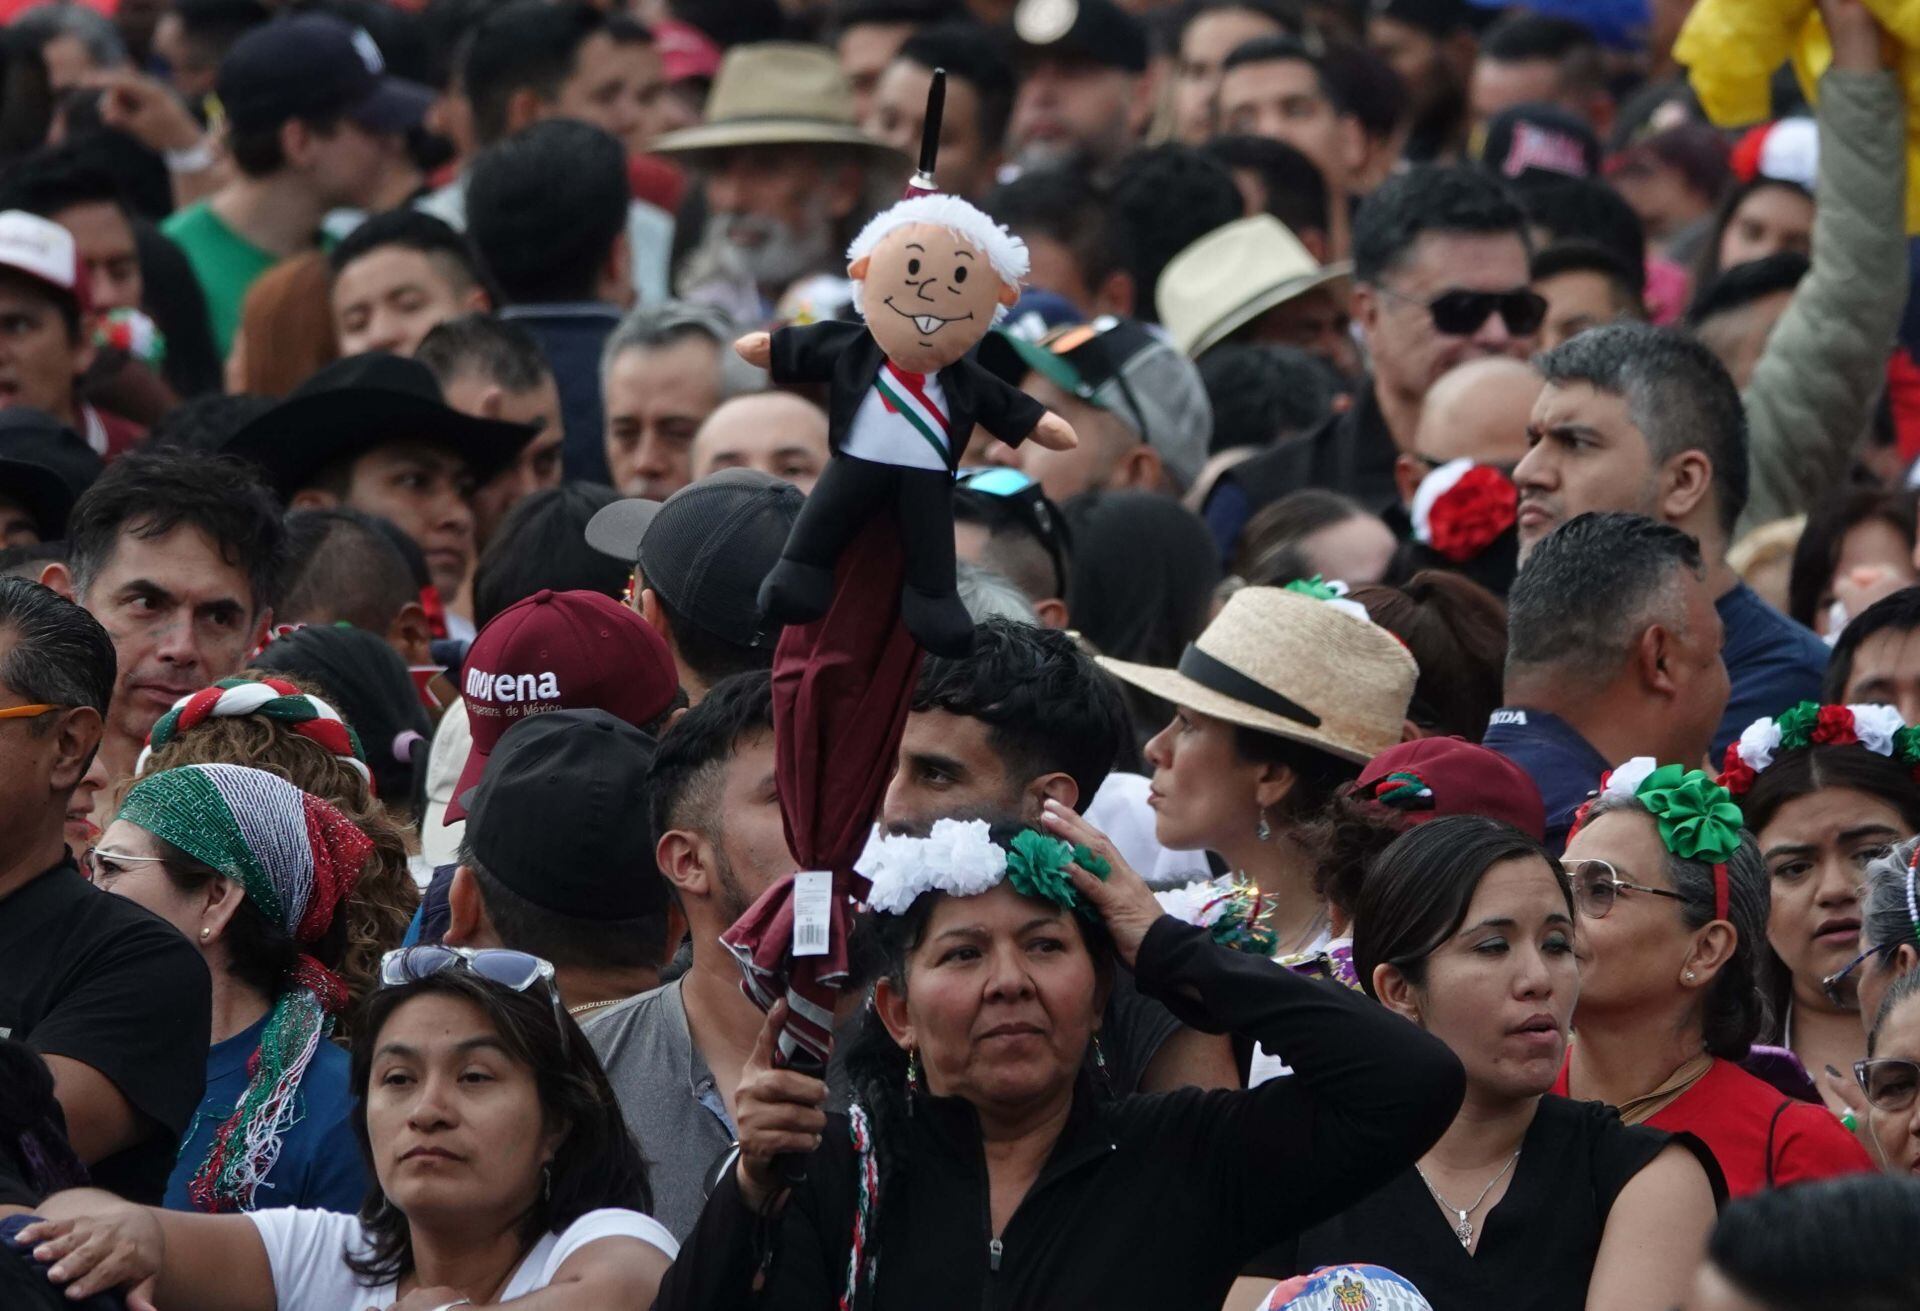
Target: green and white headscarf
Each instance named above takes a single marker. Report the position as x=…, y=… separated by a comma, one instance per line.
x=297, y=859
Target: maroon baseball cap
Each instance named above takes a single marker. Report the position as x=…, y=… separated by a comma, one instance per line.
x=1434, y=776
x=560, y=651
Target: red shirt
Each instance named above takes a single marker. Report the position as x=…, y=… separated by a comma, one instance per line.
x=1732, y=1113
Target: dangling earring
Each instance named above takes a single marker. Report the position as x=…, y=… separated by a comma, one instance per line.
x=1100, y=1062
x=913, y=1076
x=546, y=1182
x=1263, y=830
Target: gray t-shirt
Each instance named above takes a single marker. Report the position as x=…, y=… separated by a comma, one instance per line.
x=672, y=1106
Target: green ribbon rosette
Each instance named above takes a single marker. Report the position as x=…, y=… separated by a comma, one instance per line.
x=1037, y=867
x=1697, y=817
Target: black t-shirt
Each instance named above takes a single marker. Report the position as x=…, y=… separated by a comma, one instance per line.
x=95, y=978
x=1537, y=1245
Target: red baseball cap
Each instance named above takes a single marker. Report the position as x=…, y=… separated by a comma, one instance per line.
x=560, y=651
x=1434, y=776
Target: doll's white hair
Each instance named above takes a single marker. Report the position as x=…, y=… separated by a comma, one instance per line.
x=1006, y=252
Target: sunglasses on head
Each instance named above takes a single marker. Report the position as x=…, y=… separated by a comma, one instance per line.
x=516, y=971
x=1460, y=313
x=1027, y=502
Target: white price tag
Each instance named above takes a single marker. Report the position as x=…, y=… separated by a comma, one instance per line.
x=812, y=911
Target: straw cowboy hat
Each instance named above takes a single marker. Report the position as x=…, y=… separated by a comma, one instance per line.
x=1285, y=663
x=777, y=93
x=1232, y=276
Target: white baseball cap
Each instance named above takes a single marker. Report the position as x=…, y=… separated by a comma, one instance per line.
x=43, y=250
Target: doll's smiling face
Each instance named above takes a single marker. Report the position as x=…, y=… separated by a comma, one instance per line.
x=928, y=295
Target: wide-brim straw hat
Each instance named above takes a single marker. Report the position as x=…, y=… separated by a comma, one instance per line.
x=778, y=93
x=1285, y=663
x=1233, y=275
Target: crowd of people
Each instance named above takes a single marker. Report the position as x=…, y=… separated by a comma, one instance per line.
x=1404, y=783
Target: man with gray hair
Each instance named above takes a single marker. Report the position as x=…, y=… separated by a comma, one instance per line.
x=665, y=368
x=1647, y=420
x=1613, y=651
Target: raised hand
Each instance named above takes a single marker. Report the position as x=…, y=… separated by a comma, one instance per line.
x=1123, y=899
x=777, y=1112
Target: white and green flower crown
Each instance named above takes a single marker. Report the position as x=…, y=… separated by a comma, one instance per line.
x=960, y=858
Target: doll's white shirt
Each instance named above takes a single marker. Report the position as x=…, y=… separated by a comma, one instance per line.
x=888, y=435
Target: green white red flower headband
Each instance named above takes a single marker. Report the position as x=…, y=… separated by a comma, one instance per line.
x=1877, y=728
x=960, y=858
x=1696, y=816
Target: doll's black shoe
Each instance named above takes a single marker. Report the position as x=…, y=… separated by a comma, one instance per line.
x=795, y=593
x=938, y=622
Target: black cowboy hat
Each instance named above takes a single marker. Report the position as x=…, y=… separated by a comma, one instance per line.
x=361, y=402
x=44, y=466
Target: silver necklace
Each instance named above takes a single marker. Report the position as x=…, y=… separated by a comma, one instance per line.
x=1464, y=1229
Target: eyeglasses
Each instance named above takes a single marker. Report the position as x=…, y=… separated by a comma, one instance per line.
x=1597, y=885
x=1834, y=984
x=516, y=971
x=99, y=858
x=1460, y=313
x=27, y=712
x=1888, y=1081
x=1029, y=503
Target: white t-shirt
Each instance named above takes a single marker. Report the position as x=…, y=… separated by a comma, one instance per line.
x=307, y=1253
x=905, y=425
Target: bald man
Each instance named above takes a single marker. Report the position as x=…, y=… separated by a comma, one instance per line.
x=1477, y=411
x=776, y=432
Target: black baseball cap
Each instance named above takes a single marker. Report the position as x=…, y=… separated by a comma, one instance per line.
x=707, y=548
x=560, y=816
x=1093, y=31
x=315, y=66
x=1540, y=143
x=44, y=466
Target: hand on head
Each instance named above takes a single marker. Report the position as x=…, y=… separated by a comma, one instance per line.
x=1123, y=899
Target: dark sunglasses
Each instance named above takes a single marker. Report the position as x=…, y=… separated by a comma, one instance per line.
x=516, y=971
x=1888, y=1082
x=1597, y=885
x=1025, y=501
x=1460, y=313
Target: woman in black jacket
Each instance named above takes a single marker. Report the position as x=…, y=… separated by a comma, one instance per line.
x=978, y=1167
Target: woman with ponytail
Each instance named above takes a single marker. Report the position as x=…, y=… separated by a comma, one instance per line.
x=254, y=872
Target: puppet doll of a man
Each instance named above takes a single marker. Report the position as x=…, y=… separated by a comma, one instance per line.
x=932, y=273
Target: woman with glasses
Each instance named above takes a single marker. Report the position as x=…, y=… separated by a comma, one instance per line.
x=276, y=723
x=503, y=1173
x=1889, y=1078
x=1528, y=1201
x=1672, y=896
x=1889, y=931
x=256, y=874
x=1825, y=790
